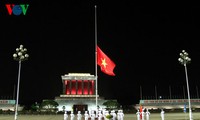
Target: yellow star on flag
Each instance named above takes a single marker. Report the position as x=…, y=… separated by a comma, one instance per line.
x=104, y=62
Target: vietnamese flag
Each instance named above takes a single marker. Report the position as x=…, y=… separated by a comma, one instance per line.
x=106, y=64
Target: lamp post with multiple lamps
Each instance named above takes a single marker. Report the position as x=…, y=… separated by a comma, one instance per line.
x=20, y=55
x=184, y=60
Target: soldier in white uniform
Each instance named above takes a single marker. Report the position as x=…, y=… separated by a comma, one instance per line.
x=92, y=115
x=118, y=115
x=79, y=116
x=86, y=115
x=147, y=114
x=121, y=115
x=72, y=116
x=65, y=116
x=113, y=114
x=142, y=114
x=138, y=114
x=162, y=114
x=100, y=115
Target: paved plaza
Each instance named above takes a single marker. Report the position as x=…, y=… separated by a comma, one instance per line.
x=153, y=116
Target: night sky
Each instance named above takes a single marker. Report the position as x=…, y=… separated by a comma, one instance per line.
x=143, y=41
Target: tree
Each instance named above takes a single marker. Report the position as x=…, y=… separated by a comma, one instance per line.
x=49, y=105
x=111, y=104
x=35, y=107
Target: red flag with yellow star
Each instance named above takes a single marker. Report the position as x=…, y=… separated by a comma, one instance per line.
x=106, y=64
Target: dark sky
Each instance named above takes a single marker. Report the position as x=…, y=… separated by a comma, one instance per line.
x=143, y=41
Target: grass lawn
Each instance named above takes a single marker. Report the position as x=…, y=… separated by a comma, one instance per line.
x=153, y=116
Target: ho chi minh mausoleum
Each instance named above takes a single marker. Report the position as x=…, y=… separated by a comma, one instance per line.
x=79, y=93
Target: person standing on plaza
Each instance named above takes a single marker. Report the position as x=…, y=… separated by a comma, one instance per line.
x=113, y=114
x=79, y=116
x=162, y=114
x=118, y=115
x=138, y=114
x=72, y=116
x=121, y=115
x=65, y=116
x=147, y=114
x=142, y=113
x=92, y=115
x=86, y=115
x=100, y=115
x=141, y=109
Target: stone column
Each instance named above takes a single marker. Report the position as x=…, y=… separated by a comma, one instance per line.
x=82, y=86
x=88, y=87
x=70, y=87
x=76, y=86
x=64, y=87
x=93, y=89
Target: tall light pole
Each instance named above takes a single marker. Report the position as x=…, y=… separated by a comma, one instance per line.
x=20, y=55
x=184, y=60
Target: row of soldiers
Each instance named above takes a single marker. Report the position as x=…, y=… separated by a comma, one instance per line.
x=101, y=115
x=141, y=115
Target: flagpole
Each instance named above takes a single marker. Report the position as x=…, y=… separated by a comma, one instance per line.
x=96, y=57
